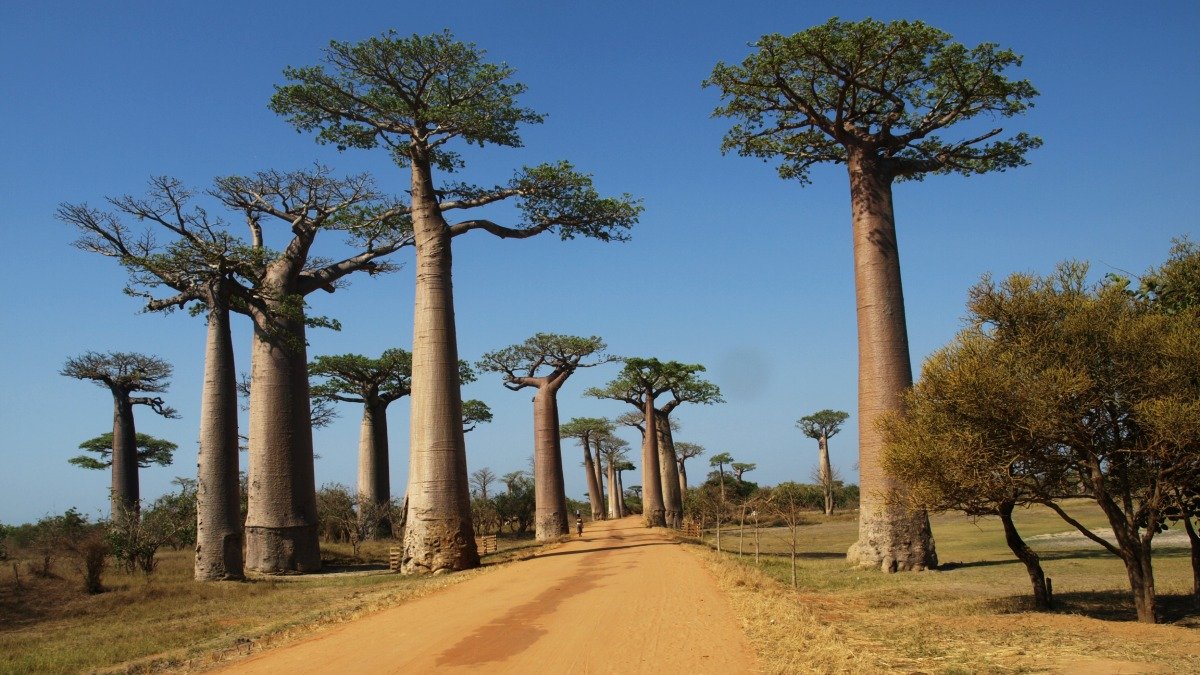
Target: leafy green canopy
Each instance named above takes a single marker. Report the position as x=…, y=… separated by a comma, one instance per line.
x=415, y=95
x=886, y=90
x=150, y=450
x=354, y=378
x=681, y=380
x=823, y=423
x=586, y=428
x=550, y=353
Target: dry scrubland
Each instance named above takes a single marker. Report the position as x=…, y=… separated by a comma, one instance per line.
x=972, y=616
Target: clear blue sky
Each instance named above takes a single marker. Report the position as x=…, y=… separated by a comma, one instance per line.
x=730, y=267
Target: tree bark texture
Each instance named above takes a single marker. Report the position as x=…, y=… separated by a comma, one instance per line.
x=219, y=536
x=550, y=495
x=438, y=533
x=653, y=511
x=682, y=478
x=595, y=494
x=614, y=494
x=826, y=473
x=126, y=496
x=1033, y=564
x=668, y=465
x=374, y=474
x=281, y=523
x=889, y=536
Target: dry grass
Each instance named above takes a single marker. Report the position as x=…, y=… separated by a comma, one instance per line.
x=974, y=616
x=166, y=620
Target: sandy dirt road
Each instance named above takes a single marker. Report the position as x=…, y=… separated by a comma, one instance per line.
x=623, y=599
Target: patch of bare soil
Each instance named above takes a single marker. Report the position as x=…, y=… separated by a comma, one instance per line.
x=620, y=599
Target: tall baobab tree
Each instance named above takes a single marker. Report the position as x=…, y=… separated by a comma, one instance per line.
x=719, y=461
x=376, y=384
x=640, y=386
x=876, y=96
x=123, y=374
x=822, y=426
x=415, y=96
x=545, y=362
x=586, y=430
x=686, y=451
x=615, y=452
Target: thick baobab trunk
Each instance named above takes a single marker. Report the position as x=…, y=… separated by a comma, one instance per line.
x=600, y=482
x=550, y=498
x=826, y=474
x=889, y=536
x=438, y=534
x=281, y=522
x=374, y=474
x=218, y=505
x=668, y=465
x=614, y=494
x=682, y=479
x=653, y=511
x=1033, y=564
x=595, y=495
x=126, y=497
x=621, y=495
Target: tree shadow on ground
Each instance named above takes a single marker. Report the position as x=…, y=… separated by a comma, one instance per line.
x=1066, y=554
x=1177, y=609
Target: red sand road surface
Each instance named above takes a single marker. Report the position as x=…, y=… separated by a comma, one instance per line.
x=624, y=599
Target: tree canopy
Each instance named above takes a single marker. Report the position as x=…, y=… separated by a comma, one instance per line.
x=885, y=89
x=823, y=423
x=150, y=450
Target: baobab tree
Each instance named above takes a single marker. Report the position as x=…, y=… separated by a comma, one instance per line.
x=123, y=374
x=150, y=450
x=481, y=480
x=615, y=452
x=822, y=426
x=639, y=384
x=740, y=468
x=686, y=451
x=876, y=96
x=545, y=362
x=719, y=461
x=415, y=96
x=376, y=384
x=586, y=430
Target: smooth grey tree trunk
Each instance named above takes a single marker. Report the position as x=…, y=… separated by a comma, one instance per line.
x=550, y=500
x=614, y=499
x=683, y=488
x=668, y=465
x=826, y=473
x=126, y=497
x=595, y=494
x=438, y=533
x=281, y=524
x=374, y=473
x=889, y=536
x=219, y=538
x=653, y=510
x=600, y=482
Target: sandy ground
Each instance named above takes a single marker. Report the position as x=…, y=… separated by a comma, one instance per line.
x=621, y=599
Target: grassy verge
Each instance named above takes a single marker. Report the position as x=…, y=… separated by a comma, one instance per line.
x=165, y=620
x=973, y=616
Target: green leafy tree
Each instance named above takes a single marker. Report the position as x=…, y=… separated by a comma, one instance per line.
x=686, y=451
x=545, y=362
x=416, y=96
x=879, y=98
x=822, y=426
x=123, y=374
x=150, y=450
x=719, y=461
x=586, y=430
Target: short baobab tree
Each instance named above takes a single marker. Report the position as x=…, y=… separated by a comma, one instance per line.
x=686, y=451
x=740, y=468
x=586, y=430
x=615, y=451
x=123, y=374
x=822, y=426
x=876, y=97
x=416, y=96
x=545, y=362
x=718, y=462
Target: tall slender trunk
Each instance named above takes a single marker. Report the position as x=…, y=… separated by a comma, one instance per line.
x=550, y=498
x=219, y=536
x=1033, y=564
x=682, y=479
x=600, y=482
x=614, y=498
x=826, y=474
x=653, y=511
x=438, y=534
x=669, y=469
x=624, y=507
x=126, y=497
x=1195, y=540
x=281, y=524
x=374, y=474
x=595, y=495
x=889, y=536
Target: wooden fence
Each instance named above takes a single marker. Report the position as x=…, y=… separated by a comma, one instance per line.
x=691, y=529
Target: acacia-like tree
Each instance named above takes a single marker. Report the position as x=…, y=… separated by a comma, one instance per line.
x=686, y=451
x=481, y=480
x=415, y=96
x=1060, y=388
x=123, y=374
x=718, y=461
x=545, y=362
x=376, y=384
x=586, y=430
x=822, y=426
x=639, y=384
x=150, y=450
x=876, y=97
